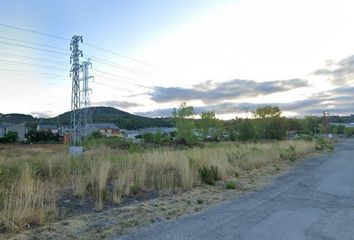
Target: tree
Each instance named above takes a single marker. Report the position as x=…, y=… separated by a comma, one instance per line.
x=247, y=131
x=267, y=112
x=311, y=124
x=209, y=126
x=293, y=124
x=275, y=128
x=10, y=137
x=148, y=137
x=270, y=123
x=185, y=125
x=41, y=136
x=340, y=129
x=183, y=111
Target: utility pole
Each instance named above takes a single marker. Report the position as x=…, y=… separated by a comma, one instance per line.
x=87, y=116
x=75, y=121
x=325, y=122
x=247, y=110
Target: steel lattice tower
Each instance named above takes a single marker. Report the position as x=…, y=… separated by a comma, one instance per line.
x=75, y=122
x=86, y=90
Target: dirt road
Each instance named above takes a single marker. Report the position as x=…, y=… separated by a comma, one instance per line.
x=313, y=201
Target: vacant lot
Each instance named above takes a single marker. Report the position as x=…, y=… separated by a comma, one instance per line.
x=41, y=184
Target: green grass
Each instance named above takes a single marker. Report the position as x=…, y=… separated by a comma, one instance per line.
x=230, y=185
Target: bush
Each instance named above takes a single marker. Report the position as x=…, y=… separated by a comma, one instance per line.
x=247, y=131
x=10, y=137
x=289, y=153
x=209, y=175
x=349, y=132
x=322, y=144
x=34, y=136
x=230, y=185
x=148, y=138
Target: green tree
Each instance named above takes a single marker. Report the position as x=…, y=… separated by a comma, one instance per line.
x=247, y=131
x=270, y=124
x=340, y=129
x=41, y=136
x=185, y=124
x=10, y=137
x=275, y=128
x=267, y=112
x=294, y=125
x=209, y=126
x=148, y=137
x=311, y=124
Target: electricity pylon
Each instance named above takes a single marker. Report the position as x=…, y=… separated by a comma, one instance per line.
x=86, y=90
x=75, y=121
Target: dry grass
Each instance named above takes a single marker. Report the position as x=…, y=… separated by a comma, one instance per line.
x=31, y=181
x=27, y=201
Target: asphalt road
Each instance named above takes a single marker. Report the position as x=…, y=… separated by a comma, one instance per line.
x=313, y=201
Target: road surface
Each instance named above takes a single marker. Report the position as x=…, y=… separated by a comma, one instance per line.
x=314, y=201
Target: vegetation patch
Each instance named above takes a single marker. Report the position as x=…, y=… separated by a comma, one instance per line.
x=230, y=185
x=209, y=174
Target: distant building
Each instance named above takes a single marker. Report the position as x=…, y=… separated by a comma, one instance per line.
x=19, y=128
x=48, y=128
x=130, y=134
x=155, y=130
x=347, y=125
x=106, y=129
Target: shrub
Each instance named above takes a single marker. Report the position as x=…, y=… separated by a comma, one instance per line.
x=289, y=153
x=322, y=144
x=230, y=185
x=349, y=132
x=209, y=175
x=10, y=137
x=247, y=131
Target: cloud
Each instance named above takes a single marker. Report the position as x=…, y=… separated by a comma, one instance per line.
x=211, y=92
x=117, y=104
x=338, y=100
x=339, y=72
x=46, y=114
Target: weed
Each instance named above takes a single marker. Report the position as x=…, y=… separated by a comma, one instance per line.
x=230, y=185
x=209, y=175
x=289, y=153
x=200, y=201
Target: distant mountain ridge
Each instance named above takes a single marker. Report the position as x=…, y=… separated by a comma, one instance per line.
x=99, y=115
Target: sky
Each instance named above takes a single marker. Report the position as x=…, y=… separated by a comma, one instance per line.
x=227, y=56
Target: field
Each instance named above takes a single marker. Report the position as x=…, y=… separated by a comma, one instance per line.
x=41, y=183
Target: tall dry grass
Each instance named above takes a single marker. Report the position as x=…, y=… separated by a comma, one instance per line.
x=27, y=201
x=30, y=183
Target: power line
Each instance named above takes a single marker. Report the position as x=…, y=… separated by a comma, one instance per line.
x=28, y=57
x=53, y=76
x=121, y=55
x=119, y=66
x=115, y=77
x=35, y=48
x=111, y=86
x=32, y=64
x=87, y=44
x=96, y=59
x=33, y=43
x=36, y=32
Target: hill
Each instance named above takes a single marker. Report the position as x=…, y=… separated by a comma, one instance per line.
x=99, y=114
x=17, y=118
